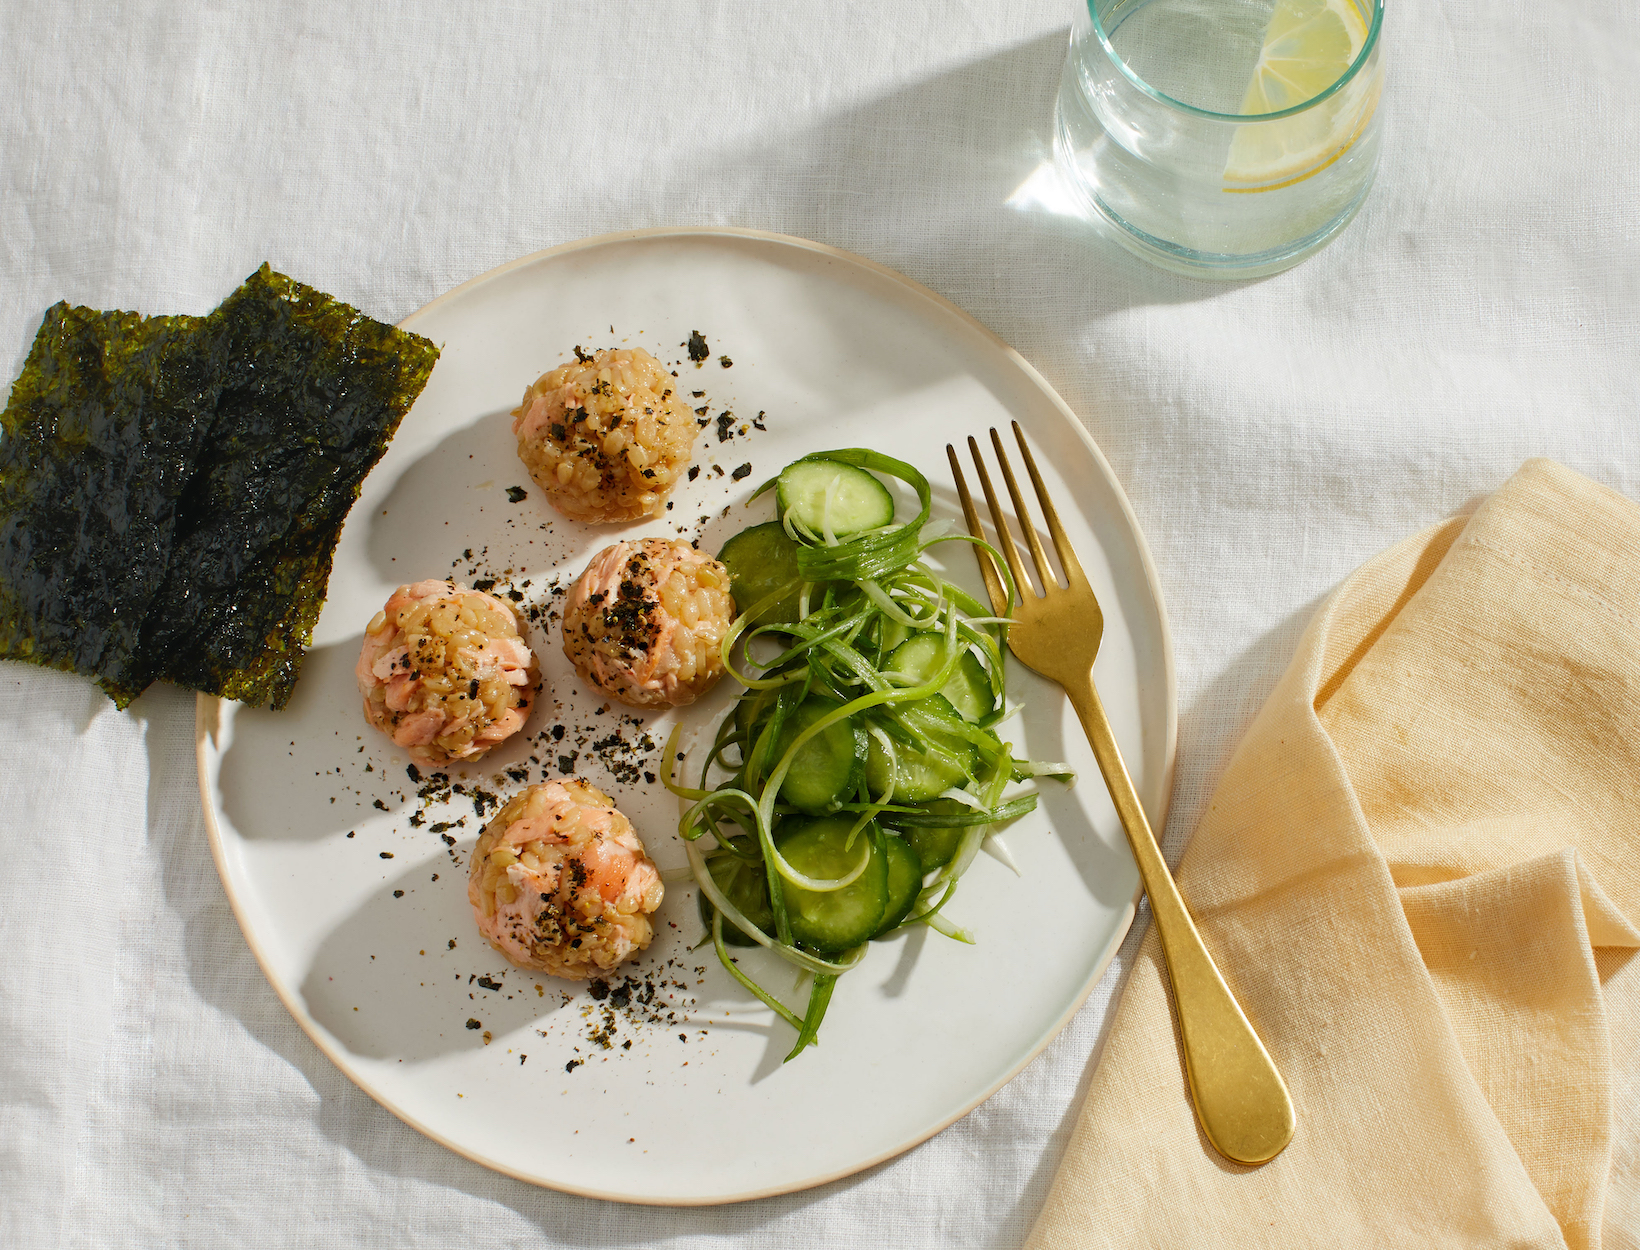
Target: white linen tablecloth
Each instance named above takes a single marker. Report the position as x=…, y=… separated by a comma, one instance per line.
x=1484, y=308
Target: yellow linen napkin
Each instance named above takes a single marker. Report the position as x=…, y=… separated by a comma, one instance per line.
x=1420, y=874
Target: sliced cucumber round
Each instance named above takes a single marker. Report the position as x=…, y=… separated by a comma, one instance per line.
x=747, y=885
x=830, y=496
x=969, y=690
x=760, y=561
x=890, y=634
x=825, y=772
x=935, y=847
x=834, y=921
x=923, y=773
x=905, y=874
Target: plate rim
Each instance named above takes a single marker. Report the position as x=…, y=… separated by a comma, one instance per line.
x=207, y=711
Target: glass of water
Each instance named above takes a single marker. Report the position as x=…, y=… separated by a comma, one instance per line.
x=1221, y=138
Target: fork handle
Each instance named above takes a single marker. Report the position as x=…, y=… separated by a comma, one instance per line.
x=1241, y=1101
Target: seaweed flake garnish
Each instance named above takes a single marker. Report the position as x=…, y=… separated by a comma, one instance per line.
x=698, y=351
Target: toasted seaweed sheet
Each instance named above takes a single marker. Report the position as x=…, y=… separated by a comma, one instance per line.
x=312, y=392
x=242, y=440
x=99, y=442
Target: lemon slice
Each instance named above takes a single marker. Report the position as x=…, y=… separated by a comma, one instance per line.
x=1307, y=47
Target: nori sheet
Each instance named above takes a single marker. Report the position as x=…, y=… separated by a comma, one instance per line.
x=313, y=390
x=276, y=406
x=99, y=442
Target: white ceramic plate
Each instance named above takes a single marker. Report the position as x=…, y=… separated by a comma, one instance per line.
x=310, y=812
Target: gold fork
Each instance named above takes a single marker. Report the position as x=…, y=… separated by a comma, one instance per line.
x=1241, y=1102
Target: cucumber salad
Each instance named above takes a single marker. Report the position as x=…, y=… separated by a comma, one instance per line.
x=860, y=772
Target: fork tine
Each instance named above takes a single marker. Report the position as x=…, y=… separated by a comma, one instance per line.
x=1005, y=539
x=1000, y=603
x=1067, y=554
x=1050, y=582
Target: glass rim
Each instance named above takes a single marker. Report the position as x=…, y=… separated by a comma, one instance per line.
x=1241, y=119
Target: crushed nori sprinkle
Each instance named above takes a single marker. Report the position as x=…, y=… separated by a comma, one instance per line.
x=698, y=351
x=517, y=494
x=172, y=489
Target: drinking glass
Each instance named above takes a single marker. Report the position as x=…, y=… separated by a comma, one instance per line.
x=1221, y=138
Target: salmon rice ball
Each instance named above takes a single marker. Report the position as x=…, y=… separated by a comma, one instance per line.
x=444, y=672
x=560, y=882
x=606, y=437
x=645, y=623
